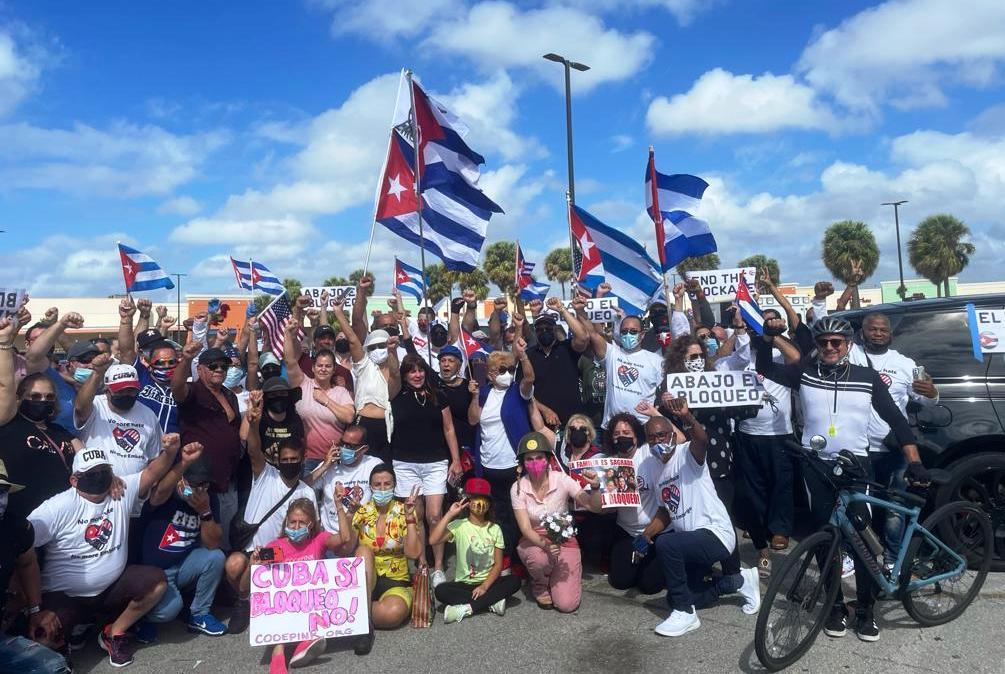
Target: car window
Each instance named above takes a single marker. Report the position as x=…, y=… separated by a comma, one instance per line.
x=939, y=340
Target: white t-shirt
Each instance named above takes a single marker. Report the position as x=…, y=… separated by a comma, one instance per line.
x=356, y=480
x=686, y=490
x=635, y=520
x=631, y=378
x=897, y=372
x=266, y=491
x=775, y=415
x=496, y=450
x=131, y=439
x=86, y=544
x=371, y=387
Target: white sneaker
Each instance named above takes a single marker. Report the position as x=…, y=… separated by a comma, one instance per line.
x=455, y=613
x=847, y=566
x=679, y=623
x=499, y=608
x=437, y=578
x=751, y=591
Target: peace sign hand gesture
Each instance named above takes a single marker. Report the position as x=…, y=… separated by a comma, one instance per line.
x=410, y=503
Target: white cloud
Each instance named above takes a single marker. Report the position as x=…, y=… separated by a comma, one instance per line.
x=183, y=205
x=720, y=102
x=22, y=59
x=684, y=11
x=621, y=142
x=386, y=20
x=906, y=52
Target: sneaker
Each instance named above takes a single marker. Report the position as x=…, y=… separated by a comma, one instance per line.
x=866, y=627
x=847, y=566
x=363, y=643
x=118, y=648
x=437, y=578
x=751, y=591
x=679, y=623
x=78, y=636
x=837, y=624
x=207, y=624
x=499, y=608
x=455, y=613
x=240, y=618
x=143, y=632
x=307, y=652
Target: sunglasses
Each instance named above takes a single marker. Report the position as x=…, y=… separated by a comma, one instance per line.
x=578, y=428
x=704, y=336
x=86, y=358
x=165, y=362
x=36, y=397
x=834, y=343
x=511, y=369
x=630, y=331
x=217, y=366
x=374, y=347
x=694, y=356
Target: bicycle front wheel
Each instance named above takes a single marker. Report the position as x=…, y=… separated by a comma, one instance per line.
x=966, y=530
x=798, y=600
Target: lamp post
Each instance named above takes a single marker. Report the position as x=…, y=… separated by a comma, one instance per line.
x=569, y=66
x=902, y=290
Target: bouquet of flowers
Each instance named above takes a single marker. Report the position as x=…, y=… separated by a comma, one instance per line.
x=558, y=527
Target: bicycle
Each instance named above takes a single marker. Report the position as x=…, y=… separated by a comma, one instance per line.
x=930, y=575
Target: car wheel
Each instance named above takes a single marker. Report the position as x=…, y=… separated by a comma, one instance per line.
x=981, y=480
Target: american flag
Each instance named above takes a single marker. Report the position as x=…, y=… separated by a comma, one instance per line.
x=274, y=320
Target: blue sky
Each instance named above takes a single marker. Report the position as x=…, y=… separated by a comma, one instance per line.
x=198, y=130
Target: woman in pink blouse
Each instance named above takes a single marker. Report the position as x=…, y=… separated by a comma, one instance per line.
x=556, y=571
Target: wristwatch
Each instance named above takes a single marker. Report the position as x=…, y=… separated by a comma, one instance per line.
x=206, y=517
x=32, y=610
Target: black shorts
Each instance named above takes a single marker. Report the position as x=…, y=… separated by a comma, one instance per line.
x=135, y=582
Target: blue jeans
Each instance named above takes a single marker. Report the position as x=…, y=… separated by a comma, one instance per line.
x=24, y=656
x=203, y=568
x=686, y=557
x=889, y=467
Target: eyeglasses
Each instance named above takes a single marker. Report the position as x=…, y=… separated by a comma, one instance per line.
x=630, y=331
x=36, y=397
x=165, y=362
x=834, y=342
x=217, y=366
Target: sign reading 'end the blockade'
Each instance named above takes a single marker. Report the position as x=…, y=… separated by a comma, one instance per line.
x=720, y=284
x=333, y=292
x=726, y=388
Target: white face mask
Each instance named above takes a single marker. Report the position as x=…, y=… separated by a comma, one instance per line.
x=378, y=356
x=504, y=379
x=695, y=365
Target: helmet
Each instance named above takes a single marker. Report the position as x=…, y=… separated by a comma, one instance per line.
x=832, y=325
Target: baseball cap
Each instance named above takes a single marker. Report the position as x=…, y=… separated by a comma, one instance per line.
x=477, y=486
x=324, y=331
x=450, y=350
x=153, y=339
x=213, y=355
x=86, y=459
x=198, y=472
x=81, y=348
x=120, y=377
x=545, y=319
x=274, y=384
x=267, y=359
x=376, y=337
x=5, y=480
x=533, y=442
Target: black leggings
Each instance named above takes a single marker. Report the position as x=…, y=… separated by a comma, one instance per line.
x=646, y=575
x=376, y=437
x=460, y=593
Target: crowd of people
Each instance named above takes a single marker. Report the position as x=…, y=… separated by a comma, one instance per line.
x=142, y=477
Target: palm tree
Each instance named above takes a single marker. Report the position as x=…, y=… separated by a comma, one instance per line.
x=293, y=287
x=558, y=267
x=937, y=249
x=700, y=263
x=499, y=265
x=335, y=281
x=761, y=262
x=850, y=253
x=357, y=274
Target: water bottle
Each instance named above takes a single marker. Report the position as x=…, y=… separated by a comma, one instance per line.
x=861, y=524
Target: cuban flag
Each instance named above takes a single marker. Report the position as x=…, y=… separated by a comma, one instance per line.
x=633, y=275
x=670, y=201
x=177, y=540
x=470, y=344
x=140, y=271
x=535, y=291
x=749, y=309
x=408, y=279
x=591, y=267
x=254, y=276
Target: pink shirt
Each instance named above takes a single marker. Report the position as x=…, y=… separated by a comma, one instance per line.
x=561, y=488
x=321, y=427
x=313, y=549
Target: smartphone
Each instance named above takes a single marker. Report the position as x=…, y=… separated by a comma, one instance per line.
x=270, y=555
x=346, y=501
x=919, y=373
x=480, y=372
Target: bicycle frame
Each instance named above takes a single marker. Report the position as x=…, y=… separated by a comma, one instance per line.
x=839, y=519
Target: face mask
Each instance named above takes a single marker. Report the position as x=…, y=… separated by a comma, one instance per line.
x=629, y=341
x=82, y=374
x=711, y=344
x=291, y=470
x=341, y=345
x=277, y=405
x=624, y=444
x=479, y=506
x=95, y=482
x=296, y=535
x=162, y=374
x=123, y=402
x=347, y=455
x=3, y=503
x=438, y=338
x=392, y=330
x=378, y=356
x=658, y=318
x=662, y=451
x=270, y=372
x=546, y=338
x=535, y=467
x=448, y=377
x=504, y=379
x=578, y=437
x=382, y=496
x=234, y=377
x=37, y=410
x=695, y=365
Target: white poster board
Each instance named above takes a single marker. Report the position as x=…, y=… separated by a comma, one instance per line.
x=726, y=388
x=720, y=284
x=598, y=309
x=333, y=292
x=991, y=330
x=297, y=601
x=10, y=301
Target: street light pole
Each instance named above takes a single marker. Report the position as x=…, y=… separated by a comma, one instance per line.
x=569, y=66
x=902, y=290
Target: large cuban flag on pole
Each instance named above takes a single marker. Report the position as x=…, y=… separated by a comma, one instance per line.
x=670, y=201
x=140, y=272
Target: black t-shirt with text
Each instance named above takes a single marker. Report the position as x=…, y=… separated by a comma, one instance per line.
x=170, y=532
x=274, y=432
x=39, y=459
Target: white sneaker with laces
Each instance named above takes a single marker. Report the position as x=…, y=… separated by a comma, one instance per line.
x=751, y=591
x=437, y=578
x=499, y=608
x=679, y=623
x=455, y=613
x=847, y=566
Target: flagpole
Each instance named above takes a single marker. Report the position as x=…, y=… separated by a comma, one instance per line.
x=418, y=196
x=658, y=221
x=376, y=203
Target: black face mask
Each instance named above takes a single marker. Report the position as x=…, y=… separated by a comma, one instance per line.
x=438, y=338
x=291, y=470
x=95, y=482
x=658, y=318
x=270, y=372
x=392, y=330
x=123, y=402
x=277, y=405
x=341, y=345
x=578, y=437
x=37, y=410
x=623, y=445
x=546, y=337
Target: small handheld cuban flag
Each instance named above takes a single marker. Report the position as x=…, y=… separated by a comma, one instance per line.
x=749, y=309
x=140, y=271
x=408, y=279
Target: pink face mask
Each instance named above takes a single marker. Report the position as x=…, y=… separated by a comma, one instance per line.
x=535, y=467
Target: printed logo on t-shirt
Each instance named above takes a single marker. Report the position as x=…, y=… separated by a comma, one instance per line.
x=176, y=540
x=887, y=379
x=97, y=535
x=628, y=374
x=671, y=497
x=126, y=438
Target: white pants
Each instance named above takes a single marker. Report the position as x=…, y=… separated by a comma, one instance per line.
x=430, y=477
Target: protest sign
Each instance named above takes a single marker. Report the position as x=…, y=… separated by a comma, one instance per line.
x=726, y=388
x=720, y=284
x=10, y=300
x=598, y=309
x=297, y=601
x=987, y=330
x=333, y=292
x=618, y=486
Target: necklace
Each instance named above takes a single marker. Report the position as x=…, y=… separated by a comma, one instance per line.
x=420, y=399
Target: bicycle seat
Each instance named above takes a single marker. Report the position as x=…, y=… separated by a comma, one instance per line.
x=906, y=497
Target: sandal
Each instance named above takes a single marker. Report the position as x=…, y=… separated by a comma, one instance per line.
x=545, y=605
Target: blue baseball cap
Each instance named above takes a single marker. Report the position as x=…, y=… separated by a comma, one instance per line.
x=450, y=350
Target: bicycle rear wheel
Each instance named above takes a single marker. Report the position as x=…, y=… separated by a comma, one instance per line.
x=799, y=599
x=966, y=530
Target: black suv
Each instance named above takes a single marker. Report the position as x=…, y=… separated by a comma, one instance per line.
x=964, y=432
